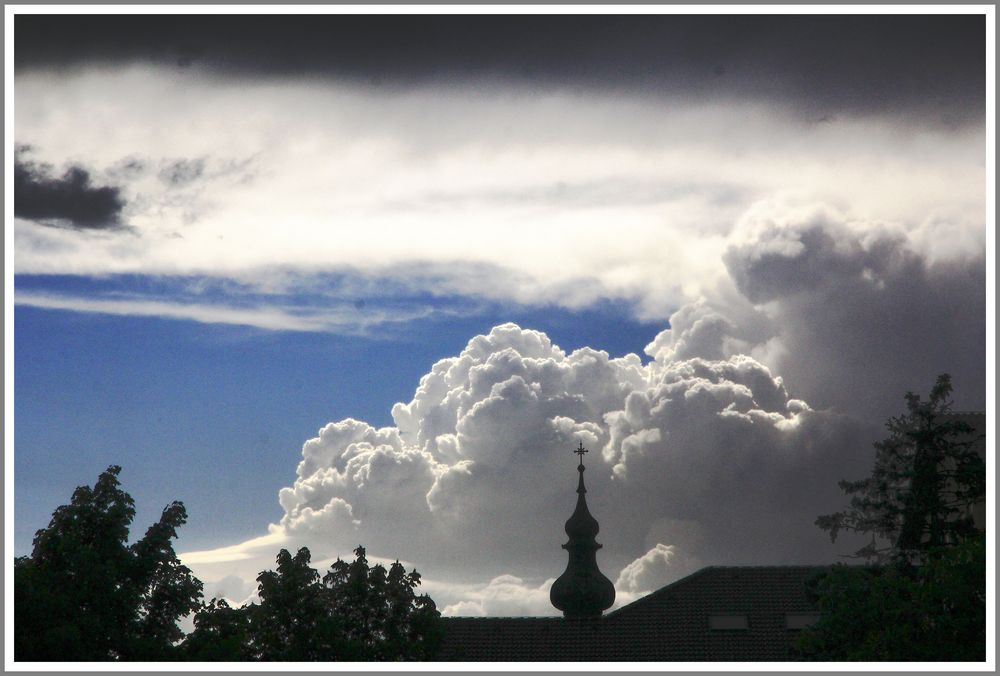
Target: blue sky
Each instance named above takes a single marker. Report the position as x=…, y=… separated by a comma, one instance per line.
x=375, y=289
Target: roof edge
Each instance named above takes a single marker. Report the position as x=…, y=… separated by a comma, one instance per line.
x=655, y=593
x=708, y=569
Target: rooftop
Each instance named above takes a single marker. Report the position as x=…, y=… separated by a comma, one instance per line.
x=720, y=613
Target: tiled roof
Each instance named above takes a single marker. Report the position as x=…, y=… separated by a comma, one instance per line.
x=671, y=624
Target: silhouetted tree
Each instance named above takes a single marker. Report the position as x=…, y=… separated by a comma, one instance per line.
x=926, y=479
x=932, y=612
x=292, y=622
x=85, y=594
x=382, y=617
x=925, y=597
x=221, y=634
x=355, y=612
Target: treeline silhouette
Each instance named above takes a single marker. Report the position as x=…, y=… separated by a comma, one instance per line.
x=922, y=594
x=354, y=612
x=85, y=594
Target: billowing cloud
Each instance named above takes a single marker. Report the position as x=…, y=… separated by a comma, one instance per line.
x=701, y=454
x=68, y=200
x=713, y=457
x=859, y=314
x=852, y=312
x=504, y=596
x=235, y=590
x=659, y=566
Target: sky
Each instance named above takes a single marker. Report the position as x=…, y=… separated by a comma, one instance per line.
x=338, y=280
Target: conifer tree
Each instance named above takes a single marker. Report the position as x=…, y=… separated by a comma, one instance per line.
x=924, y=596
x=926, y=479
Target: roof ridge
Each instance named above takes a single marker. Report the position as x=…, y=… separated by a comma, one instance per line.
x=656, y=592
x=664, y=588
x=501, y=617
x=769, y=567
x=707, y=569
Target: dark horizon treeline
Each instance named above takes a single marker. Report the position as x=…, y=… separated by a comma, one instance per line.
x=85, y=594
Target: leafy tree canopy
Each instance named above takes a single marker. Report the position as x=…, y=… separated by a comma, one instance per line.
x=933, y=612
x=925, y=596
x=86, y=594
x=354, y=612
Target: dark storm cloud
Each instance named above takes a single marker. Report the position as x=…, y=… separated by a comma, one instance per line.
x=822, y=65
x=864, y=319
x=69, y=200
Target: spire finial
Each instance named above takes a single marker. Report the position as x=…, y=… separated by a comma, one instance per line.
x=582, y=591
x=580, y=488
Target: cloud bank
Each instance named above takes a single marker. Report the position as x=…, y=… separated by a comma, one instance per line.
x=930, y=65
x=635, y=198
x=702, y=454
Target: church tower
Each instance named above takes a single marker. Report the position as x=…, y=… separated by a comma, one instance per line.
x=582, y=591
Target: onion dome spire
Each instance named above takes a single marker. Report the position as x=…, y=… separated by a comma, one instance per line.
x=582, y=591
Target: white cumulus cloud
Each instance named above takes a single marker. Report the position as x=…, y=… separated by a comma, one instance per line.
x=476, y=478
x=701, y=454
x=505, y=596
x=659, y=566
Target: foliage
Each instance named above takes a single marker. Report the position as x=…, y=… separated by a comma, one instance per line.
x=221, y=634
x=925, y=481
x=292, y=621
x=936, y=611
x=382, y=617
x=925, y=597
x=355, y=612
x=85, y=594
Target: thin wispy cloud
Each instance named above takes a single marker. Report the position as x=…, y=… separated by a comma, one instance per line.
x=347, y=320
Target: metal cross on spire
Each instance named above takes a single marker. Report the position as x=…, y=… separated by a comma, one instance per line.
x=580, y=451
